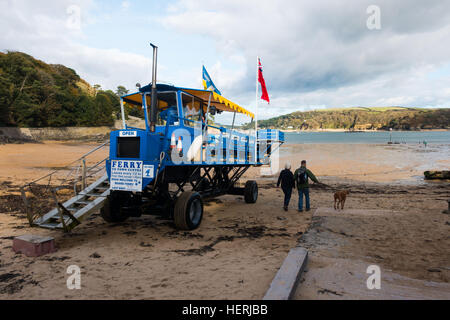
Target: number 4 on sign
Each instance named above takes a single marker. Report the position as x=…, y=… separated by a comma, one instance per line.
x=148, y=171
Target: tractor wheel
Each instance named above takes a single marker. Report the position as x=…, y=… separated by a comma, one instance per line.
x=188, y=212
x=110, y=212
x=251, y=191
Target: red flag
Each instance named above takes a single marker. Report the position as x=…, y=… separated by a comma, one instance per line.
x=265, y=95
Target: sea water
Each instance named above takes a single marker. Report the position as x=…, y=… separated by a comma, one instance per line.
x=376, y=137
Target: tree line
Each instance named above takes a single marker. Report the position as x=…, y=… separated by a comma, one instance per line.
x=36, y=94
x=382, y=118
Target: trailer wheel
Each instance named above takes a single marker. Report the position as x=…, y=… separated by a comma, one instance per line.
x=188, y=212
x=251, y=191
x=110, y=212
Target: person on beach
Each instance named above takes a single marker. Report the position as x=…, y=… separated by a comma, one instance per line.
x=301, y=177
x=286, y=179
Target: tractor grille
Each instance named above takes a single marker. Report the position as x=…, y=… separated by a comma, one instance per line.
x=128, y=147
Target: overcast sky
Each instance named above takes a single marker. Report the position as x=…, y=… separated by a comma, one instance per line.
x=315, y=54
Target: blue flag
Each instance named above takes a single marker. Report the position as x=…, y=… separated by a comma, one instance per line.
x=208, y=84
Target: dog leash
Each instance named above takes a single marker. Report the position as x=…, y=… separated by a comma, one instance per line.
x=327, y=186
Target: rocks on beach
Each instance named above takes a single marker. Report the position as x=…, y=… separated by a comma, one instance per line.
x=437, y=175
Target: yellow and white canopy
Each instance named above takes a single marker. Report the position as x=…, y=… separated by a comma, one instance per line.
x=218, y=101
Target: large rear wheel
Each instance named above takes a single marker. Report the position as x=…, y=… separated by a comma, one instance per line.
x=111, y=212
x=188, y=212
x=251, y=191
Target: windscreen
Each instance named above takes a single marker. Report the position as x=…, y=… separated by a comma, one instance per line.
x=192, y=109
x=167, y=108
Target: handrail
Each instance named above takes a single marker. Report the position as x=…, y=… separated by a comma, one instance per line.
x=134, y=128
x=76, y=174
x=92, y=151
x=68, y=165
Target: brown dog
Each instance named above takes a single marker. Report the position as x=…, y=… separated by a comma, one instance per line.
x=339, y=198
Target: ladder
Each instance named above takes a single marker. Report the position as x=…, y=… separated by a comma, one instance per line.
x=69, y=214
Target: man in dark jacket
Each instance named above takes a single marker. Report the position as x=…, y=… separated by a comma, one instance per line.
x=287, y=183
x=301, y=176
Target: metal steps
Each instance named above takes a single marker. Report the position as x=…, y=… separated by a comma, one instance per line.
x=69, y=214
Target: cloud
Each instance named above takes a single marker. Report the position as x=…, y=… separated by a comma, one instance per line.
x=316, y=54
x=125, y=4
x=322, y=53
x=48, y=30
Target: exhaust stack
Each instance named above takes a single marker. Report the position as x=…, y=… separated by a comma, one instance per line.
x=154, y=92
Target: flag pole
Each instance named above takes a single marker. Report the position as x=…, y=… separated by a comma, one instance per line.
x=256, y=111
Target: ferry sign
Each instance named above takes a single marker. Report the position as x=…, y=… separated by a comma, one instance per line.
x=126, y=175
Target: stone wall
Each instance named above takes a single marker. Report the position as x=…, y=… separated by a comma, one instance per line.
x=62, y=134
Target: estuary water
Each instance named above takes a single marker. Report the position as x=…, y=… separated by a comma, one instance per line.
x=375, y=137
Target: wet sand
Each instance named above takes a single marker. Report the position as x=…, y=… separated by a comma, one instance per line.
x=343, y=244
x=22, y=163
x=239, y=247
x=404, y=163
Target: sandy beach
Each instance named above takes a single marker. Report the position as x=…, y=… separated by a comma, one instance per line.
x=239, y=247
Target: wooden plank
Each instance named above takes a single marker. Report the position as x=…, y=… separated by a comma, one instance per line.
x=286, y=280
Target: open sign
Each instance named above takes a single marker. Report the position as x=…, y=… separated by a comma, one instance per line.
x=128, y=133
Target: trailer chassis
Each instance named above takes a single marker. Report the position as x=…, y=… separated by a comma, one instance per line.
x=172, y=195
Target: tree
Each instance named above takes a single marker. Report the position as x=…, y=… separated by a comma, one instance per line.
x=122, y=91
x=97, y=88
x=36, y=94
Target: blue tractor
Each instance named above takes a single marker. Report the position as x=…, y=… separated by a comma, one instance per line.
x=180, y=158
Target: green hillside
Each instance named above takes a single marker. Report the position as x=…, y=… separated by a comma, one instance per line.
x=36, y=94
x=360, y=118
